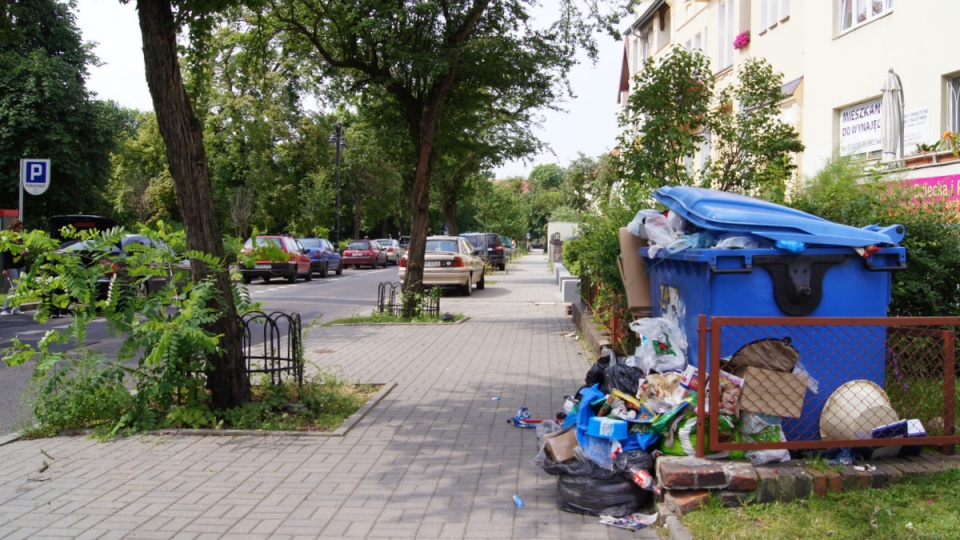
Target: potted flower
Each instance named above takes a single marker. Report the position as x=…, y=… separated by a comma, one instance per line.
x=742, y=40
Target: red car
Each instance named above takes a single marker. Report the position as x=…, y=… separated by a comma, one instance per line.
x=278, y=256
x=367, y=252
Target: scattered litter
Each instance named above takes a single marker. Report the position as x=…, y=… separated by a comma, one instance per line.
x=495, y=398
x=568, y=334
x=633, y=522
x=523, y=420
x=44, y=452
x=909, y=526
x=865, y=467
x=518, y=501
x=44, y=467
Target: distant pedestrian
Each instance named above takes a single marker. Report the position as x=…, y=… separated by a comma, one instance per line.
x=13, y=265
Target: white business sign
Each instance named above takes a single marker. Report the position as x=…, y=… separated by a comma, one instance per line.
x=35, y=175
x=860, y=128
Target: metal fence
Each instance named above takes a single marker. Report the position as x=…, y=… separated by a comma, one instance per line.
x=390, y=301
x=273, y=345
x=827, y=383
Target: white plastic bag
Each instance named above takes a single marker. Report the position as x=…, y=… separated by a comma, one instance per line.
x=663, y=348
x=662, y=235
x=635, y=227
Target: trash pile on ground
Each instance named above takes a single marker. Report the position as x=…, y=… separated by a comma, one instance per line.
x=633, y=408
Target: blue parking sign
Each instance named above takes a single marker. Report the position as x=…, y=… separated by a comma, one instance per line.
x=35, y=175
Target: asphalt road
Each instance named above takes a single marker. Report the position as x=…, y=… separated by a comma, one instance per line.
x=320, y=300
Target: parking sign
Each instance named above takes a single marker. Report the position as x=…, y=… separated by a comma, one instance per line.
x=35, y=175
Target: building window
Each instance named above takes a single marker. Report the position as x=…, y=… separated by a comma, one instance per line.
x=727, y=33
x=773, y=12
x=953, y=103
x=854, y=13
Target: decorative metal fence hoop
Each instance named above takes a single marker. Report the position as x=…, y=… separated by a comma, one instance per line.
x=280, y=353
x=390, y=301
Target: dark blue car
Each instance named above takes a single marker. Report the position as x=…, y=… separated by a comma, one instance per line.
x=324, y=258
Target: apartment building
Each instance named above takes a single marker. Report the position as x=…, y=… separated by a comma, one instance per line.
x=834, y=56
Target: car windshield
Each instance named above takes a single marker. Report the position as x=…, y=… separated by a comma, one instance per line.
x=385, y=242
x=360, y=246
x=310, y=242
x=263, y=242
x=442, y=245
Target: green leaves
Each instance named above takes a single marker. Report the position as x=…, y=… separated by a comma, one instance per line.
x=686, y=132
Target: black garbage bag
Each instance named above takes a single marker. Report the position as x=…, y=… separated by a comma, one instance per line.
x=592, y=496
x=595, y=373
x=621, y=377
x=633, y=460
x=578, y=467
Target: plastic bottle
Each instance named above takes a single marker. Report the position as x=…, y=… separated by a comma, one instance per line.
x=643, y=478
x=518, y=501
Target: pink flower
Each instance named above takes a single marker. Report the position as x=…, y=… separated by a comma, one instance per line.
x=742, y=40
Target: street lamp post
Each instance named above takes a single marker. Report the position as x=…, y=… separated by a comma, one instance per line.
x=337, y=140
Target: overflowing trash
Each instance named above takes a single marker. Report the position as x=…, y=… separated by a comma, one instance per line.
x=634, y=407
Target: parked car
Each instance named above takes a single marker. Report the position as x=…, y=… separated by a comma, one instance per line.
x=507, y=246
x=324, y=258
x=290, y=262
x=394, y=249
x=113, y=258
x=449, y=261
x=368, y=252
x=79, y=222
x=405, y=242
x=491, y=249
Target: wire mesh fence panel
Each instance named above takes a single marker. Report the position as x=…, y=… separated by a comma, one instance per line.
x=795, y=383
x=273, y=346
x=390, y=301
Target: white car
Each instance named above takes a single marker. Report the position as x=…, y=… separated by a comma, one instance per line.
x=393, y=249
x=449, y=261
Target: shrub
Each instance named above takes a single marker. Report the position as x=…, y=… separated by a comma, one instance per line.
x=930, y=284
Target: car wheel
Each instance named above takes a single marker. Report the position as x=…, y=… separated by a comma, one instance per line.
x=309, y=276
x=503, y=267
x=340, y=270
x=247, y=279
x=292, y=278
x=323, y=271
x=266, y=279
x=467, y=289
x=480, y=284
x=386, y=263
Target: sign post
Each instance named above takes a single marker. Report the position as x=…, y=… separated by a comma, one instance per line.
x=34, y=178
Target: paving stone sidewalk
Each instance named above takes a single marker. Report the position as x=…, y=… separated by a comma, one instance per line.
x=435, y=458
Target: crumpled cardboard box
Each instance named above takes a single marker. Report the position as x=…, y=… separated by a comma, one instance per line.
x=633, y=273
x=772, y=392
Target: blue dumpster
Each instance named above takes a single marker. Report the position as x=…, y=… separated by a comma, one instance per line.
x=821, y=281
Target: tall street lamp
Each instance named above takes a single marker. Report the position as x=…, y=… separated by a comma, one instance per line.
x=337, y=140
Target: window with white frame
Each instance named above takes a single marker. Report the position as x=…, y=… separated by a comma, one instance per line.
x=727, y=31
x=773, y=12
x=854, y=13
x=953, y=103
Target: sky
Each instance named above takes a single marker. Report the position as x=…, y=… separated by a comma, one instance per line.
x=588, y=125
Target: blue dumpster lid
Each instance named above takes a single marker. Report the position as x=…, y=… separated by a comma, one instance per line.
x=729, y=212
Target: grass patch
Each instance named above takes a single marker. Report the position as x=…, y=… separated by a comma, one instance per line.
x=88, y=394
x=383, y=318
x=923, y=506
x=321, y=405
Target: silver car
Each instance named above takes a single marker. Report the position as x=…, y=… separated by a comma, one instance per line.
x=449, y=261
x=393, y=249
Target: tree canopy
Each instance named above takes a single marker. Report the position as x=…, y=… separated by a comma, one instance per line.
x=47, y=113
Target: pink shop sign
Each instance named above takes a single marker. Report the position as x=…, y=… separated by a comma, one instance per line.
x=936, y=187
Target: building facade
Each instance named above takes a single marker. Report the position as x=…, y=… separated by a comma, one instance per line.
x=834, y=56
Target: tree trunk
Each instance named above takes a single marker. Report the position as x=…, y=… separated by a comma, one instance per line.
x=450, y=216
x=181, y=131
